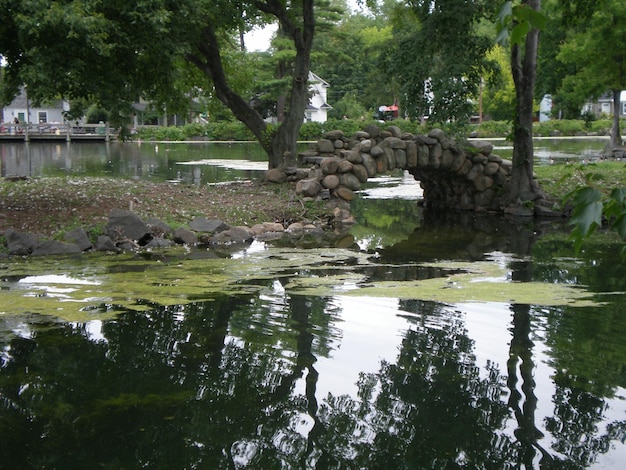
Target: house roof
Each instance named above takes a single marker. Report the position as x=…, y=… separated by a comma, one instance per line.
x=21, y=102
x=609, y=97
x=324, y=105
x=316, y=78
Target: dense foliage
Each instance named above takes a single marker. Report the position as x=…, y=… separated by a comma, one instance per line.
x=116, y=52
x=440, y=57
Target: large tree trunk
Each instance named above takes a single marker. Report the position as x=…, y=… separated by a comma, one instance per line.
x=524, y=67
x=282, y=142
x=616, y=132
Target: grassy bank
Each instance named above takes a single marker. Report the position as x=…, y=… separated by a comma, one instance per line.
x=560, y=180
x=53, y=205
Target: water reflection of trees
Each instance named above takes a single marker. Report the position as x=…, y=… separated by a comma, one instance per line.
x=429, y=409
x=232, y=383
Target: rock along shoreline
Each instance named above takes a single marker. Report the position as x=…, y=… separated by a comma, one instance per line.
x=125, y=231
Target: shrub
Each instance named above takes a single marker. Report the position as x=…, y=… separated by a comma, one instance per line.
x=161, y=133
x=311, y=131
x=194, y=130
x=488, y=129
x=568, y=127
x=601, y=126
x=228, y=130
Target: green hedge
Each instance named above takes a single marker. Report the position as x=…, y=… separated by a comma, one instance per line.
x=489, y=129
x=311, y=131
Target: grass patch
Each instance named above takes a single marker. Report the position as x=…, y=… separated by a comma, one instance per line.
x=560, y=180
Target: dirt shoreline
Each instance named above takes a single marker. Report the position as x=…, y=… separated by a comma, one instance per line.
x=50, y=206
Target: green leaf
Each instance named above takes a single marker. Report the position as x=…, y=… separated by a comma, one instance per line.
x=619, y=196
x=587, y=195
x=588, y=208
x=503, y=35
x=588, y=217
x=534, y=18
x=519, y=33
x=505, y=13
x=620, y=226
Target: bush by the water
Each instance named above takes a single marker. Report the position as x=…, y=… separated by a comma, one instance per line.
x=311, y=131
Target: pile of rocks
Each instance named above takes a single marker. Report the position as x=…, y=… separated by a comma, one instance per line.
x=126, y=231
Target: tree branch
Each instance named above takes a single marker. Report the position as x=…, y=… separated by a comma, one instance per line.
x=211, y=65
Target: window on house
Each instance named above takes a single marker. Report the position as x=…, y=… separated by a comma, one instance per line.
x=606, y=108
x=42, y=117
x=623, y=107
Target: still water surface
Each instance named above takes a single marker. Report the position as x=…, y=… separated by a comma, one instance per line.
x=418, y=340
x=201, y=163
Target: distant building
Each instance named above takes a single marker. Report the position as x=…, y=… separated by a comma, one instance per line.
x=23, y=109
x=317, y=109
x=604, y=105
x=545, y=108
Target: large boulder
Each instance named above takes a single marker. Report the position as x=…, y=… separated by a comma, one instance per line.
x=160, y=229
x=350, y=181
x=308, y=187
x=276, y=175
x=202, y=224
x=79, y=237
x=483, y=147
x=104, y=243
x=329, y=165
x=20, y=243
x=55, y=247
x=184, y=236
x=330, y=181
x=239, y=234
x=325, y=146
x=369, y=163
x=127, y=225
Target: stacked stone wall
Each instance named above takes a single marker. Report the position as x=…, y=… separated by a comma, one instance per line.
x=467, y=177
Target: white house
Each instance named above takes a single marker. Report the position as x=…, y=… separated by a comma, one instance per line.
x=22, y=108
x=604, y=105
x=317, y=109
x=545, y=108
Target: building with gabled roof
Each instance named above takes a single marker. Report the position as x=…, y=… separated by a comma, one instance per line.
x=318, y=107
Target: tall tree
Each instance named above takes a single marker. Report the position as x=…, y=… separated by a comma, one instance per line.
x=523, y=21
x=599, y=51
x=116, y=51
x=275, y=87
x=551, y=70
x=499, y=90
x=440, y=56
x=349, y=58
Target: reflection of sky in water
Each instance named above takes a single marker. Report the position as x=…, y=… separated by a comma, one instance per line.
x=54, y=285
x=371, y=332
x=56, y=279
x=233, y=164
x=394, y=187
x=556, y=148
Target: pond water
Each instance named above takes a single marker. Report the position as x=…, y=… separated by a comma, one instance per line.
x=201, y=162
x=418, y=340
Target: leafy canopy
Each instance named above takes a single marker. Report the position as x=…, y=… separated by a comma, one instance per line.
x=440, y=57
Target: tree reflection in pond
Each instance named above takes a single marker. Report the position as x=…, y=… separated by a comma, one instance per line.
x=258, y=380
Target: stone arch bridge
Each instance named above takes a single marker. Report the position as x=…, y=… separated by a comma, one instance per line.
x=470, y=177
